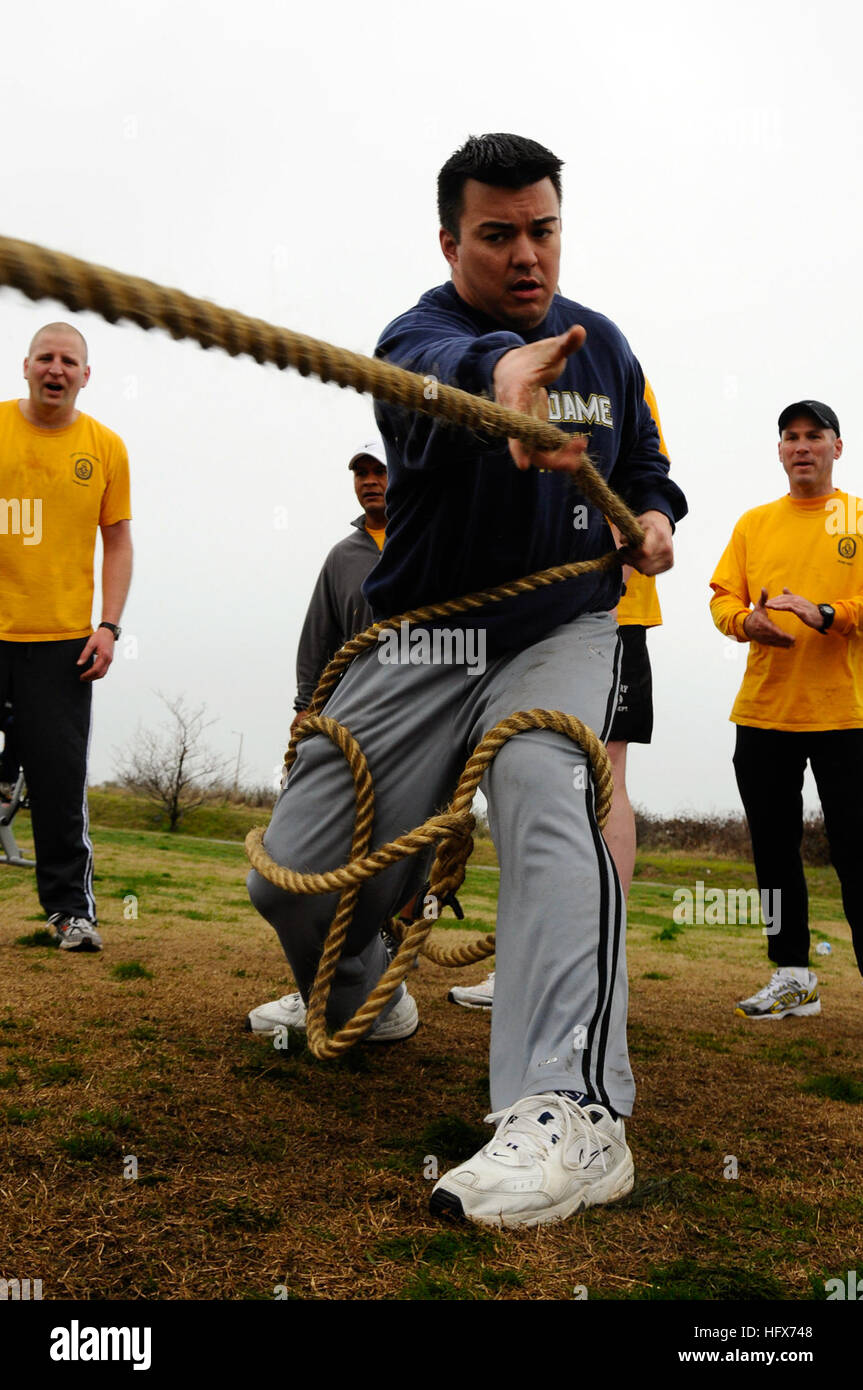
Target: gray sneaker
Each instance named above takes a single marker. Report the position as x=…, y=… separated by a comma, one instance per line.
x=75, y=933
x=784, y=995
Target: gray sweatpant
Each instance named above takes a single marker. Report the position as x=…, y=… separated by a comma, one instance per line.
x=559, y=1017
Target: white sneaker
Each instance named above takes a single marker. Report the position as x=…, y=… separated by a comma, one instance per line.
x=550, y=1157
x=287, y=1012
x=74, y=933
x=401, y=1022
x=474, y=996
x=784, y=995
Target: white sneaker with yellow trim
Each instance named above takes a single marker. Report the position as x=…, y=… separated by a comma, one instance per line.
x=782, y=996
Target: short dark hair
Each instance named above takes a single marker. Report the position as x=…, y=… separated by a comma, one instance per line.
x=505, y=161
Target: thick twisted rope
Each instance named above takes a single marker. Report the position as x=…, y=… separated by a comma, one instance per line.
x=451, y=831
x=43, y=274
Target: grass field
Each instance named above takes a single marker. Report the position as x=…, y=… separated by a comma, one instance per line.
x=263, y=1173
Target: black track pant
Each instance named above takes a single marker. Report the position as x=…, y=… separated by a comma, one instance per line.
x=769, y=765
x=51, y=709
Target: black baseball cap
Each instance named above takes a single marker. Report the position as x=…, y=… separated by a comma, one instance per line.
x=817, y=409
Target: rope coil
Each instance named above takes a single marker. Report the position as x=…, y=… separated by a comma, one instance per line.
x=453, y=832
x=40, y=273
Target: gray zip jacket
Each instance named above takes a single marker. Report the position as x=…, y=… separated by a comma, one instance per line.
x=337, y=610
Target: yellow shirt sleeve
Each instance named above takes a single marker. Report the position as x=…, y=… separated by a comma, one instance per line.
x=731, y=603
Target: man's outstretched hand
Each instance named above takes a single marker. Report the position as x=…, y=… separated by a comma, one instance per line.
x=802, y=608
x=520, y=379
x=760, y=627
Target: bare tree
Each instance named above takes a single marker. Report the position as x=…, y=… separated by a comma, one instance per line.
x=172, y=767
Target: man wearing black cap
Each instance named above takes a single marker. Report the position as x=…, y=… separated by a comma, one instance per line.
x=791, y=584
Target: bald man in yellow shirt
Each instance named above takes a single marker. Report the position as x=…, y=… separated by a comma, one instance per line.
x=63, y=478
x=790, y=583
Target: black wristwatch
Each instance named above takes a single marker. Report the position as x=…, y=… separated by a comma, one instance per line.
x=828, y=614
x=112, y=627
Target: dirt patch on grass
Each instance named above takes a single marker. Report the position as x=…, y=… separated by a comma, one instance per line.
x=153, y=1149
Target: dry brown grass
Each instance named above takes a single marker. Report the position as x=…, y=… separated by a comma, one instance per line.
x=259, y=1169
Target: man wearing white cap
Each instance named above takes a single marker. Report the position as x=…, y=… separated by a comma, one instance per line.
x=337, y=610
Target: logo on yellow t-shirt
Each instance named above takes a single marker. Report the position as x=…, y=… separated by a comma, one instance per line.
x=847, y=547
x=83, y=468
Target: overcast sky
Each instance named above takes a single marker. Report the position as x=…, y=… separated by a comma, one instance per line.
x=282, y=159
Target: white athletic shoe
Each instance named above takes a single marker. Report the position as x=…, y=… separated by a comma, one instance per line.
x=74, y=933
x=287, y=1012
x=784, y=995
x=401, y=1022
x=290, y=1012
x=550, y=1157
x=474, y=996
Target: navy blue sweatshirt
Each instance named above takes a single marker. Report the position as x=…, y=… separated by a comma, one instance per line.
x=461, y=516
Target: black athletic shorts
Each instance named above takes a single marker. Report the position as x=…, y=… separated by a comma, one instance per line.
x=633, y=718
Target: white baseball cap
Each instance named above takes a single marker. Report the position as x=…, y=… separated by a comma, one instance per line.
x=373, y=449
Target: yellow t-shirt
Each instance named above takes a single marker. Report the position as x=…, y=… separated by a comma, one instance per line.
x=377, y=536
x=639, y=606
x=56, y=488
x=795, y=543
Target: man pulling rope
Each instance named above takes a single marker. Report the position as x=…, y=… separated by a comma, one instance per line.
x=461, y=518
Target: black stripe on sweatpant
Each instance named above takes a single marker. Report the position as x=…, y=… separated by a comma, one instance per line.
x=594, y=1070
x=597, y=1031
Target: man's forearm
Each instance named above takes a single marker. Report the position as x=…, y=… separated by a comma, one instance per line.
x=444, y=353
x=116, y=571
x=729, y=614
